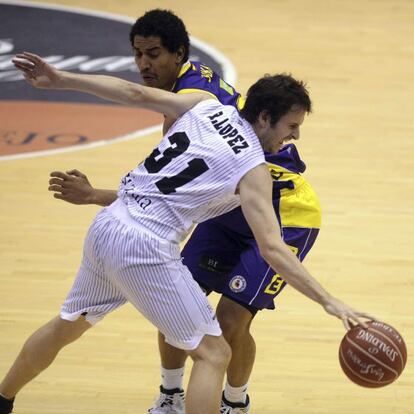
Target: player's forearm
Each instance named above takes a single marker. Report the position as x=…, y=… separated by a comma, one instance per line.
x=103, y=197
x=129, y=93
x=293, y=272
x=40, y=74
x=105, y=87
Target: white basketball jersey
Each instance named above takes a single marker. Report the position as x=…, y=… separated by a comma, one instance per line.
x=193, y=173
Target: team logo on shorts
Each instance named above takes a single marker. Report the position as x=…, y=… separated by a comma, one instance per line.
x=237, y=284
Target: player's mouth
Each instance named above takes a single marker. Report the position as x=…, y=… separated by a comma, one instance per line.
x=285, y=141
x=148, y=78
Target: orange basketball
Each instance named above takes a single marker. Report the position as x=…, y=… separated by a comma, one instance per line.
x=373, y=357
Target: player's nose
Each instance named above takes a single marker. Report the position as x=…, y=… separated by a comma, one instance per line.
x=143, y=64
x=296, y=134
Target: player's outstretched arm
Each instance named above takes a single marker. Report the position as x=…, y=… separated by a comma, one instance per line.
x=40, y=74
x=74, y=187
x=255, y=193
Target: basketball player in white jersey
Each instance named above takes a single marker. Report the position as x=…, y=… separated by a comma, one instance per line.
x=210, y=161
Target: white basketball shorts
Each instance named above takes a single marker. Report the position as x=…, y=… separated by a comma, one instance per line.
x=121, y=262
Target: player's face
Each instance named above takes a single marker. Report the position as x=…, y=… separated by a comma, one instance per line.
x=286, y=129
x=159, y=68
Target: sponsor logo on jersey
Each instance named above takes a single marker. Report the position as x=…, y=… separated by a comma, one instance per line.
x=237, y=284
x=38, y=121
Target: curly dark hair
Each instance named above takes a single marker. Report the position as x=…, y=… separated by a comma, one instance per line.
x=165, y=25
x=276, y=95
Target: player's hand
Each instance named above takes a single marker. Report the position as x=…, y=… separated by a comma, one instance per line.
x=36, y=71
x=72, y=186
x=348, y=315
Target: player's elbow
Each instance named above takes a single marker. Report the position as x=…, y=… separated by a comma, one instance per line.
x=268, y=250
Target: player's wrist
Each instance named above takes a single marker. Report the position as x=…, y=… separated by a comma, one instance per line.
x=101, y=197
x=62, y=79
x=325, y=299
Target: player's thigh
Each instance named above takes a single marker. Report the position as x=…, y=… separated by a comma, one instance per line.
x=234, y=318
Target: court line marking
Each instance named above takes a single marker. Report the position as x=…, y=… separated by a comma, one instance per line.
x=229, y=75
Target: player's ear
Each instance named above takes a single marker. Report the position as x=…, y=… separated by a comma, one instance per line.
x=180, y=53
x=263, y=119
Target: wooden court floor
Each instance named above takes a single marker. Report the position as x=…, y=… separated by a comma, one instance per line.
x=358, y=60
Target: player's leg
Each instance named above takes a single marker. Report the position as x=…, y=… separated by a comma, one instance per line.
x=79, y=312
x=156, y=282
x=171, y=398
x=205, y=242
x=211, y=358
x=235, y=320
x=172, y=358
x=244, y=294
x=39, y=351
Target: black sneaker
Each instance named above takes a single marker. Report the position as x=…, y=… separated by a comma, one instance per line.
x=6, y=406
x=168, y=402
x=228, y=407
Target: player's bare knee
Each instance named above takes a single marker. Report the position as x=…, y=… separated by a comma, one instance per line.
x=65, y=332
x=214, y=350
x=234, y=328
x=221, y=355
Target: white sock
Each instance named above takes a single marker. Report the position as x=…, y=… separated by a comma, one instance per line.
x=235, y=394
x=172, y=378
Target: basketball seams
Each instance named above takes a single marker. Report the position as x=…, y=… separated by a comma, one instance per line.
x=344, y=361
x=372, y=356
x=391, y=341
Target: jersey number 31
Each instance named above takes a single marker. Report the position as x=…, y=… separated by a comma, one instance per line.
x=157, y=161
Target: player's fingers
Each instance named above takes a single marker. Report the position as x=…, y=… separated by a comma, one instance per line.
x=23, y=67
x=23, y=63
x=357, y=318
x=368, y=316
x=58, y=181
x=21, y=56
x=28, y=75
x=346, y=323
x=362, y=323
x=59, y=195
x=76, y=173
x=56, y=188
x=59, y=174
x=32, y=57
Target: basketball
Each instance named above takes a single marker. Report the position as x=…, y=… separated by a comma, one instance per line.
x=373, y=357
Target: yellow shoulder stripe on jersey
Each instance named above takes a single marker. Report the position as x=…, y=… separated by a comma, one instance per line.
x=226, y=87
x=184, y=69
x=190, y=90
x=240, y=102
x=299, y=207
